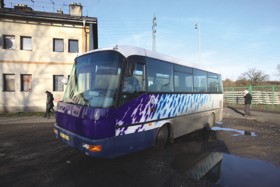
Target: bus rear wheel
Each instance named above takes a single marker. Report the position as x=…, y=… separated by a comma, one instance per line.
x=210, y=121
x=162, y=137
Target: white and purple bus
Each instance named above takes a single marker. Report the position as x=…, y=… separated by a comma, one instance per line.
x=124, y=99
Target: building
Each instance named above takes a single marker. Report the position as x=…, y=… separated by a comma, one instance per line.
x=37, y=50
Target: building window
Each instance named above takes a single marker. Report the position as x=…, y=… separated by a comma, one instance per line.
x=25, y=43
x=9, y=42
x=9, y=82
x=73, y=46
x=26, y=82
x=57, y=83
x=58, y=45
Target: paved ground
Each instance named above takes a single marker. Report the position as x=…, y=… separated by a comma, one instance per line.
x=256, y=115
x=25, y=119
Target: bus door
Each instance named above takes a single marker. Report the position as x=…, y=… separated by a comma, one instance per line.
x=133, y=82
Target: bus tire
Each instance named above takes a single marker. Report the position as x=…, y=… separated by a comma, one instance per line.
x=162, y=137
x=210, y=122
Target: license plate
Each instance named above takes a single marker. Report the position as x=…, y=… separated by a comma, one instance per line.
x=64, y=136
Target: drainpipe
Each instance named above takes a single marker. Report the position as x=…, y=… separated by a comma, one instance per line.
x=85, y=34
x=91, y=47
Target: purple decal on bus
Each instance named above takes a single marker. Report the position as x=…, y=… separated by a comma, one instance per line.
x=160, y=106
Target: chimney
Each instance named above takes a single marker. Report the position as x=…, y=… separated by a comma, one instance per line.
x=59, y=11
x=76, y=9
x=22, y=8
x=2, y=4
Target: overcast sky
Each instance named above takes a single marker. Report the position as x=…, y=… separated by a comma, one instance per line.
x=233, y=35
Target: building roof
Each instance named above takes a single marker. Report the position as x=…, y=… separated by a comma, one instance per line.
x=27, y=14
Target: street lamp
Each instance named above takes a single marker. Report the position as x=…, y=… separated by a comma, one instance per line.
x=197, y=27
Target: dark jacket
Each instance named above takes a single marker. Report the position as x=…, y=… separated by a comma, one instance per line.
x=50, y=100
x=248, y=98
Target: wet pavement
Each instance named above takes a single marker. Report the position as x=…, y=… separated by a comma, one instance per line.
x=238, y=152
x=238, y=171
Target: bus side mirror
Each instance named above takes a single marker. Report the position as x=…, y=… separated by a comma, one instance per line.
x=64, y=81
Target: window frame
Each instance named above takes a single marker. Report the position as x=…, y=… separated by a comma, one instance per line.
x=55, y=46
x=58, y=86
x=22, y=82
x=22, y=46
x=69, y=45
x=6, y=83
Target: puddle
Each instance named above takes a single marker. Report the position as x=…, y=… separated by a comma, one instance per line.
x=228, y=170
x=237, y=171
x=238, y=132
x=202, y=157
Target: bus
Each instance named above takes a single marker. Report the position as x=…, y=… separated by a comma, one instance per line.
x=124, y=99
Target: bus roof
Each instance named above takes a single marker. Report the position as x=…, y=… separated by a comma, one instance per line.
x=127, y=51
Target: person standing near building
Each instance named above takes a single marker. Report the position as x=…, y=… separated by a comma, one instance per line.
x=49, y=104
x=247, y=102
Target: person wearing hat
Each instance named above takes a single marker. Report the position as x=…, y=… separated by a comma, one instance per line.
x=49, y=104
x=247, y=101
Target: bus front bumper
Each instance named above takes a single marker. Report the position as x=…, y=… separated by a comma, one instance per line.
x=103, y=148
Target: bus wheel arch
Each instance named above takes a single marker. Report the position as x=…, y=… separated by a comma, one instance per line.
x=210, y=121
x=164, y=136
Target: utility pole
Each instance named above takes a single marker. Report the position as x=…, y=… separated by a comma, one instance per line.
x=52, y=4
x=197, y=27
x=33, y=3
x=154, y=32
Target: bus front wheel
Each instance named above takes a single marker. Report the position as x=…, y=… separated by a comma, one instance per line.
x=162, y=137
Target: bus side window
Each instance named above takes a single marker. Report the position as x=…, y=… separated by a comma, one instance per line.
x=160, y=73
x=134, y=82
x=139, y=74
x=200, y=80
x=134, y=79
x=183, y=82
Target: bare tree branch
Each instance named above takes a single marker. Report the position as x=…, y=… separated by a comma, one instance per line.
x=253, y=76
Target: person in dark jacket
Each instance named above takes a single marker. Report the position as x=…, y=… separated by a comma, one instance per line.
x=49, y=104
x=247, y=102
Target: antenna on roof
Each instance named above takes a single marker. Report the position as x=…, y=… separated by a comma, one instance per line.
x=116, y=48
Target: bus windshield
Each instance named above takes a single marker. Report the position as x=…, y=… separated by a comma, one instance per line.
x=94, y=80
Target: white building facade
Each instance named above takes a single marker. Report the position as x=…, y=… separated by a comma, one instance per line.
x=37, y=50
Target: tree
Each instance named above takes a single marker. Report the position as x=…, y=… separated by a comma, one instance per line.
x=253, y=77
x=228, y=83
